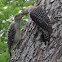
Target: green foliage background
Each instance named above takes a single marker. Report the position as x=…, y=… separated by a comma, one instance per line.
x=8, y=8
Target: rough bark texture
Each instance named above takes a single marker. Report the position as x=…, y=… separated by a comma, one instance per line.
x=31, y=47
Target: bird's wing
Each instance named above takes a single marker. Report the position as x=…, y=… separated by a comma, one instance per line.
x=39, y=16
x=10, y=35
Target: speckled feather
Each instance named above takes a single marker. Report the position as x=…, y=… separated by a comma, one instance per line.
x=39, y=16
x=10, y=36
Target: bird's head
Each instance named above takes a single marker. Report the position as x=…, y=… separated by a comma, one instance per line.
x=18, y=16
x=31, y=6
x=26, y=11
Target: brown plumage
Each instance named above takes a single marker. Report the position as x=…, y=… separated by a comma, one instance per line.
x=13, y=33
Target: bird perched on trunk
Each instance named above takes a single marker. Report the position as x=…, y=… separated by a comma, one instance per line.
x=14, y=33
x=39, y=16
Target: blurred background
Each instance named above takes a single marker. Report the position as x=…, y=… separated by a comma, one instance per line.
x=8, y=8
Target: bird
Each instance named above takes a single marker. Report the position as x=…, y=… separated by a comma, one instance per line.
x=40, y=17
x=14, y=32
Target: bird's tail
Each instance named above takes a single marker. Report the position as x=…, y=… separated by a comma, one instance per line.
x=9, y=50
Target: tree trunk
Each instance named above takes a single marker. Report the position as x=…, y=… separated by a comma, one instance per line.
x=31, y=47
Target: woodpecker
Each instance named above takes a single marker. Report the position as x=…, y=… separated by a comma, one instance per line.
x=39, y=16
x=27, y=10
x=14, y=33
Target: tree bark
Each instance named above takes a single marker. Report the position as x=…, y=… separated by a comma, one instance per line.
x=31, y=48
